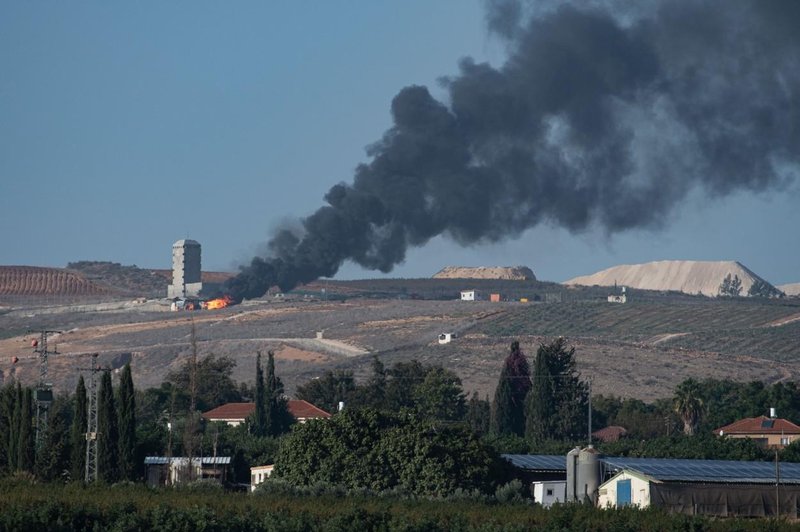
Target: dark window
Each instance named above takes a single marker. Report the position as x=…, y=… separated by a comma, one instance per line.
x=549, y=493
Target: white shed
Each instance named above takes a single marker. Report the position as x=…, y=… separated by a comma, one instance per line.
x=446, y=338
x=470, y=295
x=549, y=492
x=626, y=488
x=259, y=474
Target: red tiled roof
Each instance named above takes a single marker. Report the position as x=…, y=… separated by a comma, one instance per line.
x=297, y=407
x=608, y=434
x=757, y=425
x=304, y=410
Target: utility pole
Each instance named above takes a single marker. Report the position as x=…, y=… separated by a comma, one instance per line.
x=90, y=473
x=590, y=409
x=44, y=390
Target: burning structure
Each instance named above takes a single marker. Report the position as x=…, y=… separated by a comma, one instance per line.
x=185, y=270
x=606, y=114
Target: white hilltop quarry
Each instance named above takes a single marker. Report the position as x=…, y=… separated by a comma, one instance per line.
x=791, y=289
x=688, y=276
x=514, y=273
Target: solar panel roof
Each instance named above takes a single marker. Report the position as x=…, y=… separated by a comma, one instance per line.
x=542, y=462
x=706, y=470
x=672, y=469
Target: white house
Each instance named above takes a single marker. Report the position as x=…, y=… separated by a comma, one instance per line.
x=549, y=492
x=259, y=474
x=470, y=295
x=446, y=338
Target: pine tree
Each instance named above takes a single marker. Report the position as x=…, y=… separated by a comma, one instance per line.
x=508, y=410
x=25, y=448
x=127, y=425
x=107, y=435
x=78, y=433
x=259, y=423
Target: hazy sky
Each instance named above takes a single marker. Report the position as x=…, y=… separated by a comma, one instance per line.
x=125, y=126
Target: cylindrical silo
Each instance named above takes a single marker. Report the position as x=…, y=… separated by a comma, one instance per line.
x=572, y=478
x=588, y=473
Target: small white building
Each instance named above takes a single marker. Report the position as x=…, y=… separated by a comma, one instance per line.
x=549, y=492
x=446, y=338
x=618, y=299
x=470, y=295
x=626, y=488
x=259, y=474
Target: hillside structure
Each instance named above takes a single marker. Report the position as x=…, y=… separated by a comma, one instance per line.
x=186, y=281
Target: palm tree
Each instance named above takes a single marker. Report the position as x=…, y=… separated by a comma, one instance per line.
x=688, y=404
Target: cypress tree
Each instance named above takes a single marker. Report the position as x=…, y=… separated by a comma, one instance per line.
x=25, y=446
x=7, y=395
x=52, y=460
x=259, y=424
x=127, y=425
x=479, y=414
x=107, y=435
x=78, y=433
x=13, y=439
x=556, y=403
x=508, y=410
x=541, y=402
x=277, y=414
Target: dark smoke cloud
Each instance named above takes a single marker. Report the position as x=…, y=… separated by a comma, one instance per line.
x=601, y=116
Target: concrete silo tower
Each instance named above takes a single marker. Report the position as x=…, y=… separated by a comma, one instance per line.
x=185, y=270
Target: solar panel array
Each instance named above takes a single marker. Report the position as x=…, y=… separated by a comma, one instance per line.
x=542, y=462
x=706, y=470
x=671, y=469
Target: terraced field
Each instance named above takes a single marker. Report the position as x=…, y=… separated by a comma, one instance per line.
x=36, y=281
x=639, y=349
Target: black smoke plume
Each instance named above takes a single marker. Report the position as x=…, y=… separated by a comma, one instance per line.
x=599, y=116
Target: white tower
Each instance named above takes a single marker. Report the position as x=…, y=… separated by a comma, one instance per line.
x=185, y=270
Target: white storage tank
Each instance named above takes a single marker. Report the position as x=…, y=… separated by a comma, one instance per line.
x=588, y=475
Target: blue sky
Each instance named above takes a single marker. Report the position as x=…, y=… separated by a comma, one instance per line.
x=127, y=126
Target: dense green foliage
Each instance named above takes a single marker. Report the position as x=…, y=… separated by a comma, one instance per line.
x=26, y=506
x=378, y=451
x=214, y=383
x=258, y=423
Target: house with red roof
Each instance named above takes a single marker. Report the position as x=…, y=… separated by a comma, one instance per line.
x=235, y=413
x=770, y=432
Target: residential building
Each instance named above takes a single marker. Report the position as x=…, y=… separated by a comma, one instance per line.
x=470, y=295
x=236, y=413
x=259, y=474
x=772, y=432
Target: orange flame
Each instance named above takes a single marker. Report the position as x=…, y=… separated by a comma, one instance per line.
x=220, y=302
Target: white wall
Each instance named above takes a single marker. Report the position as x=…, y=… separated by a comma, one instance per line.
x=548, y=493
x=640, y=491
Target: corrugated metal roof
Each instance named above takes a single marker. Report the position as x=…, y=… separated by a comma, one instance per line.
x=206, y=460
x=672, y=469
x=540, y=462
